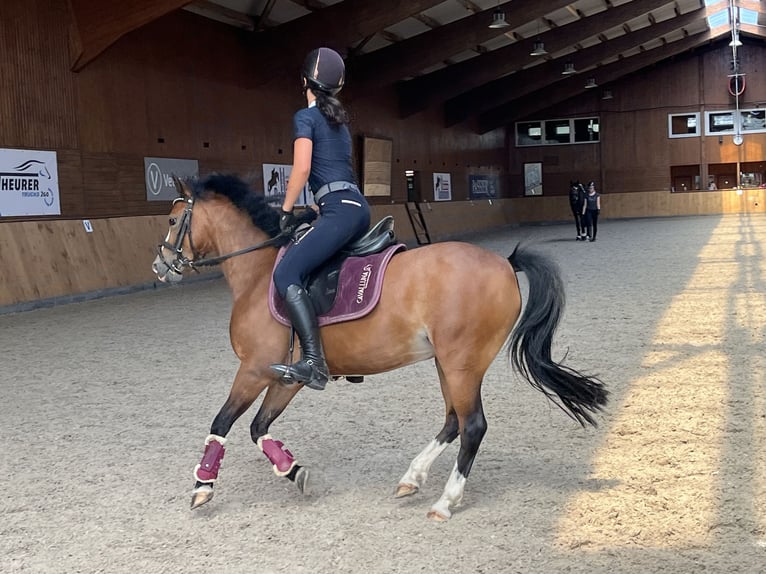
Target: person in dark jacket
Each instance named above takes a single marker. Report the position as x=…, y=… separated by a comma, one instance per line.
x=576, y=201
x=322, y=155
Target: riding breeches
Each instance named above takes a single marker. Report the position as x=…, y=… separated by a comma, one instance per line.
x=344, y=217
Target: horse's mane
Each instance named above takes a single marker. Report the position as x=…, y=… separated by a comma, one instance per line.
x=245, y=199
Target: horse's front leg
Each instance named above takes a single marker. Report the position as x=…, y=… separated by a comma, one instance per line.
x=248, y=384
x=283, y=462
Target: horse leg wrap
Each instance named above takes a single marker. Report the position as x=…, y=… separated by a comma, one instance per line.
x=207, y=470
x=282, y=459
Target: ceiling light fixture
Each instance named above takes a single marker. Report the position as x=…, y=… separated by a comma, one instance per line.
x=498, y=19
x=607, y=95
x=569, y=69
x=590, y=83
x=539, y=49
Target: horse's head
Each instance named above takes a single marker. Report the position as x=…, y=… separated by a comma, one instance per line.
x=172, y=252
x=181, y=249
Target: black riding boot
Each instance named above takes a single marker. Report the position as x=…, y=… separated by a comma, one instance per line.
x=311, y=370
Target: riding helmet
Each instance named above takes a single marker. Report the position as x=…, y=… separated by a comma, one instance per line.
x=324, y=70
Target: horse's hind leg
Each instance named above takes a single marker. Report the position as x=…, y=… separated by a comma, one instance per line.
x=246, y=388
x=464, y=391
x=417, y=473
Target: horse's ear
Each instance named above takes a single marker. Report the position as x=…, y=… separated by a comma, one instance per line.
x=181, y=187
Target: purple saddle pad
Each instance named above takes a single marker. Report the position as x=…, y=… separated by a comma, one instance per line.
x=359, y=286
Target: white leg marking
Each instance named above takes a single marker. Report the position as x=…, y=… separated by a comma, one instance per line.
x=452, y=495
x=418, y=471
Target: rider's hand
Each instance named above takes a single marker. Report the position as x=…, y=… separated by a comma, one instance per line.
x=287, y=221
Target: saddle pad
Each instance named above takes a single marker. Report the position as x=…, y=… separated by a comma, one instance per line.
x=359, y=285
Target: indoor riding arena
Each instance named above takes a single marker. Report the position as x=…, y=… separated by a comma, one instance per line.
x=479, y=122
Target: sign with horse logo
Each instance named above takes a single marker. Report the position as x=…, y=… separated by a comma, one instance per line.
x=29, y=183
x=159, y=172
x=275, y=178
x=442, y=187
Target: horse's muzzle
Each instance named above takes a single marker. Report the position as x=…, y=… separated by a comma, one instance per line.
x=165, y=272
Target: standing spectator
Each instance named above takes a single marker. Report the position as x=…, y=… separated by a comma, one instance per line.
x=591, y=210
x=576, y=202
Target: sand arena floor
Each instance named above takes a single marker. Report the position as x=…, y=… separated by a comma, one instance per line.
x=106, y=405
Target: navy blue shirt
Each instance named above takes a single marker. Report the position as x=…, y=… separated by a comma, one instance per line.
x=331, y=152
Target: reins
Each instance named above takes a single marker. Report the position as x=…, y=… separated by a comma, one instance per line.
x=274, y=241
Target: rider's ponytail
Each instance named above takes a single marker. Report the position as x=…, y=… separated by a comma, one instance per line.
x=331, y=107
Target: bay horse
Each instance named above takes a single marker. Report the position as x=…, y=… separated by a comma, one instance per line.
x=453, y=302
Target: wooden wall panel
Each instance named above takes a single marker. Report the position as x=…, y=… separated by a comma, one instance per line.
x=49, y=259
x=452, y=218
x=37, y=90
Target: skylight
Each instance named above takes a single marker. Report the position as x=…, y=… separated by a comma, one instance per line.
x=748, y=16
x=720, y=18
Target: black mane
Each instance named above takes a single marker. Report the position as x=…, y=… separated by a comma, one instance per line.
x=239, y=193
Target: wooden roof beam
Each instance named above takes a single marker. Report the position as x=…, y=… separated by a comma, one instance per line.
x=282, y=48
x=548, y=76
x=390, y=64
x=436, y=87
x=100, y=23
x=534, y=103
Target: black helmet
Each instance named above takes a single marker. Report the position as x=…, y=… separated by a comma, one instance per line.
x=324, y=70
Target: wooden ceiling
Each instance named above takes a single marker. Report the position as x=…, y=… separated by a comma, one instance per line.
x=443, y=52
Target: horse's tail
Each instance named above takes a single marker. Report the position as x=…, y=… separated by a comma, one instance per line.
x=530, y=346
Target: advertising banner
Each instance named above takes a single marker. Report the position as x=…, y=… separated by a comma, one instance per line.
x=483, y=186
x=442, y=187
x=159, y=172
x=29, y=183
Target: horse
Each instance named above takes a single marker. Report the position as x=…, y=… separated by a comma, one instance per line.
x=576, y=204
x=272, y=183
x=453, y=302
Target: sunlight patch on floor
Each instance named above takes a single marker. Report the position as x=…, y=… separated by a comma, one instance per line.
x=662, y=461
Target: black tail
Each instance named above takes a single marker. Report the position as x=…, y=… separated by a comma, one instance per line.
x=530, y=348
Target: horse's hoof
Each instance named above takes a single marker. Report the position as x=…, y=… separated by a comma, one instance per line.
x=437, y=516
x=404, y=489
x=201, y=495
x=302, y=480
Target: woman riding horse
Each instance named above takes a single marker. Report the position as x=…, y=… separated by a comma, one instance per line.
x=321, y=156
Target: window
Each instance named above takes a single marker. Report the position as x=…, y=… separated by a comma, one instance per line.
x=529, y=133
x=684, y=125
x=586, y=130
x=557, y=132
x=720, y=122
x=724, y=121
x=753, y=120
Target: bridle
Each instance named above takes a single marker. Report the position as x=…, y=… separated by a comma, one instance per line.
x=180, y=261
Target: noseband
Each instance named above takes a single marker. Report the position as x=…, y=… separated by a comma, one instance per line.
x=185, y=230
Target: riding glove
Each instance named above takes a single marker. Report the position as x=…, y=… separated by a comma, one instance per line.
x=287, y=222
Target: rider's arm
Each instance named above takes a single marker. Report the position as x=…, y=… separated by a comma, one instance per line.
x=302, y=150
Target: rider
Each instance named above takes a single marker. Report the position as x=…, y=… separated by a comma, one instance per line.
x=321, y=156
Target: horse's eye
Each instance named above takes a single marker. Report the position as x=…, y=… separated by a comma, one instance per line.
x=172, y=221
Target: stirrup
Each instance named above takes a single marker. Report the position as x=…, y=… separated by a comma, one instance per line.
x=303, y=372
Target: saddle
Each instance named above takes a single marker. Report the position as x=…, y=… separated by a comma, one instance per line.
x=348, y=285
